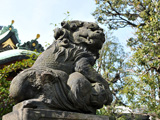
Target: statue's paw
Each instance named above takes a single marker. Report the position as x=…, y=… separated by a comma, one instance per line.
x=30, y=104
x=99, y=95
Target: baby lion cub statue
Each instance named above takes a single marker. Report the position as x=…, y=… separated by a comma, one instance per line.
x=63, y=78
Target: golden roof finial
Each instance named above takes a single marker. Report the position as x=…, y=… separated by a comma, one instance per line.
x=38, y=35
x=12, y=22
x=10, y=28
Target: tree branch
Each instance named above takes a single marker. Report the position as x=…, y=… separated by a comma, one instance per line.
x=130, y=23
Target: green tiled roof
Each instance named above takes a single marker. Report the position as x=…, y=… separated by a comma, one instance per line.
x=4, y=34
x=8, y=55
x=15, y=54
x=5, y=30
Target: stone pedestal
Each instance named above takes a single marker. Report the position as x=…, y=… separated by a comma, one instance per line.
x=44, y=114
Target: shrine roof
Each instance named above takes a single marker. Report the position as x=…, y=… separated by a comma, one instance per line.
x=16, y=54
x=11, y=48
x=7, y=31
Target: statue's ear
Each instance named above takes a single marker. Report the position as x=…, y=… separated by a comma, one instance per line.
x=60, y=33
x=57, y=33
x=71, y=25
x=65, y=24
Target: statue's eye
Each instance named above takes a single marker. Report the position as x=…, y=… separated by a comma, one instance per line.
x=92, y=29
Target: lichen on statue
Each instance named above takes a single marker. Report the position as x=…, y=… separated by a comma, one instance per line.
x=63, y=78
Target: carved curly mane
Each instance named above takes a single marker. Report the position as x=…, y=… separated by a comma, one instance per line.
x=71, y=53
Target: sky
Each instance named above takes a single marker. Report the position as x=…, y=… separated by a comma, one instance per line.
x=34, y=17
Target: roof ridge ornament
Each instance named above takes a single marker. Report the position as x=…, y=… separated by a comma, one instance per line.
x=10, y=27
x=38, y=36
x=12, y=22
x=32, y=45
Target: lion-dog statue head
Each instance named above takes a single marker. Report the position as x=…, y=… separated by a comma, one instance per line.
x=86, y=34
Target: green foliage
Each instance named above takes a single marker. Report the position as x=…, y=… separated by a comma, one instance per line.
x=143, y=86
x=121, y=13
x=111, y=64
x=6, y=103
x=67, y=14
x=146, y=63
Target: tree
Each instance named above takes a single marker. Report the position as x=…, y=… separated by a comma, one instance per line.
x=111, y=64
x=121, y=13
x=143, y=15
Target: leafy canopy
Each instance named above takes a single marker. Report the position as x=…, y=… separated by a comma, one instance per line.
x=121, y=13
x=143, y=87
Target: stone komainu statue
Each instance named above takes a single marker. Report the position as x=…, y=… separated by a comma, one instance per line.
x=63, y=78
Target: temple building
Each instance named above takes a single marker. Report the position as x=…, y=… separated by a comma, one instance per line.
x=11, y=49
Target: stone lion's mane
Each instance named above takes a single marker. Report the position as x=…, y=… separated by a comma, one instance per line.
x=72, y=53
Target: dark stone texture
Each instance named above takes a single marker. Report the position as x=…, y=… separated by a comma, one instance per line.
x=41, y=114
x=63, y=78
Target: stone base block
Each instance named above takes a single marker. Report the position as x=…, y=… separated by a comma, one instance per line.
x=44, y=114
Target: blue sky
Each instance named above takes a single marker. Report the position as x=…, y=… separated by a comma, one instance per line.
x=35, y=17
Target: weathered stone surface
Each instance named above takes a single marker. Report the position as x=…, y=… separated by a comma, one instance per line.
x=41, y=114
x=63, y=77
